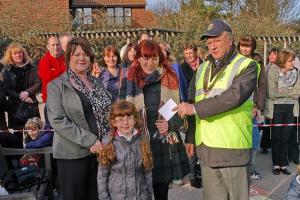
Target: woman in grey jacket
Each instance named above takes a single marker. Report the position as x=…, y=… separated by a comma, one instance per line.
x=77, y=108
x=282, y=106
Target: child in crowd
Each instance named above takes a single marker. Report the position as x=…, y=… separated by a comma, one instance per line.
x=125, y=169
x=293, y=192
x=34, y=138
x=255, y=143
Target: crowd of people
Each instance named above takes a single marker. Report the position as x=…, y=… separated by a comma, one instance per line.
x=101, y=116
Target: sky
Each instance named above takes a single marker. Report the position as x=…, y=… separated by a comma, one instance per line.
x=152, y=3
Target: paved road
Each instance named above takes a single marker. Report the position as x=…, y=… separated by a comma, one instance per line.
x=269, y=187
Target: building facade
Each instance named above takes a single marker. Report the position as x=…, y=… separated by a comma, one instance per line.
x=59, y=15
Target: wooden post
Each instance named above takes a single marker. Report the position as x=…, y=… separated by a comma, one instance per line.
x=284, y=44
x=265, y=52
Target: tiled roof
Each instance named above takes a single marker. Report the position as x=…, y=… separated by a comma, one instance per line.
x=106, y=3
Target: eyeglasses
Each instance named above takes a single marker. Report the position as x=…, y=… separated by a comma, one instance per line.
x=124, y=119
x=210, y=43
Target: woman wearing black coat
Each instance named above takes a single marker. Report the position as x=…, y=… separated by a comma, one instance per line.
x=21, y=84
x=6, y=139
x=3, y=101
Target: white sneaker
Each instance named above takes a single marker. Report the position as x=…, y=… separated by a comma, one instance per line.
x=255, y=175
x=177, y=182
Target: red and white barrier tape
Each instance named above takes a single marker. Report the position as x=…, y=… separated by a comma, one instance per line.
x=21, y=131
x=276, y=125
x=258, y=125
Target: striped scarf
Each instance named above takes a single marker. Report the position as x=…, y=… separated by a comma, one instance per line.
x=137, y=79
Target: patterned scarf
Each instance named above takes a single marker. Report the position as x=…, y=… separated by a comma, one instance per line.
x=137, y=79
x=287, y=80
x=99, y=99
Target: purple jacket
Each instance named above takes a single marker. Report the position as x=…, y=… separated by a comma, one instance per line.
x=44, y=140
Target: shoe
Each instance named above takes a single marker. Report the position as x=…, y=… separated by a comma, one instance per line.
x=177, y=182
x=196, y=183
x=276, y=171
x=264, y=150
x=255, y=175
x=285, y=171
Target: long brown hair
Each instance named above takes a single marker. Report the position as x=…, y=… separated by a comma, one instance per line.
x=108, y=154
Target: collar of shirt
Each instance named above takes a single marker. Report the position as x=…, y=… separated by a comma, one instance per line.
x=128, y=138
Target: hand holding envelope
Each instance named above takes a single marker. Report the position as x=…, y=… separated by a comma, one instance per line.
x=184, y=109
x=170, y=108
x=167, y=109
x=165, y=135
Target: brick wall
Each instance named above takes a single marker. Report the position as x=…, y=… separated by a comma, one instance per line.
x=39, y=15
x=142, y=17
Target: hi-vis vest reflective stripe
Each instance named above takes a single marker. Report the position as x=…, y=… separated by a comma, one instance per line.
x=230, y=129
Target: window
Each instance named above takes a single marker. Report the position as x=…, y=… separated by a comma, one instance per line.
x=110, y=12
x=110, y=16
x=119, y=16
x=127, y=12
x=119, y=13
x=87, y=16
x=83, y=16
x=127, y=16
x=78, y=17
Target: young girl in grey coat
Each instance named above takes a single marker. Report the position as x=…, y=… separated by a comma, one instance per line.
x=125, y=162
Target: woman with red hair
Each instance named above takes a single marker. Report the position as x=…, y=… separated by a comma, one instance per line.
x=150, y=83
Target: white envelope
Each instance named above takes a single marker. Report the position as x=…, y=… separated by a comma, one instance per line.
x=166, y=109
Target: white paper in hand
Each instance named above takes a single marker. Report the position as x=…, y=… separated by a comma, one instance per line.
x=166, y=109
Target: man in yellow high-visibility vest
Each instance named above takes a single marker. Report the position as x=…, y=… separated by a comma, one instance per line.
x=220, y=96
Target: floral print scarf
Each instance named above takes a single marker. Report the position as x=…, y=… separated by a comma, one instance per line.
x=99, y=99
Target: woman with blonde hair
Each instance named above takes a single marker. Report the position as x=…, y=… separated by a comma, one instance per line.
x=21, y=85
x=282, y=106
